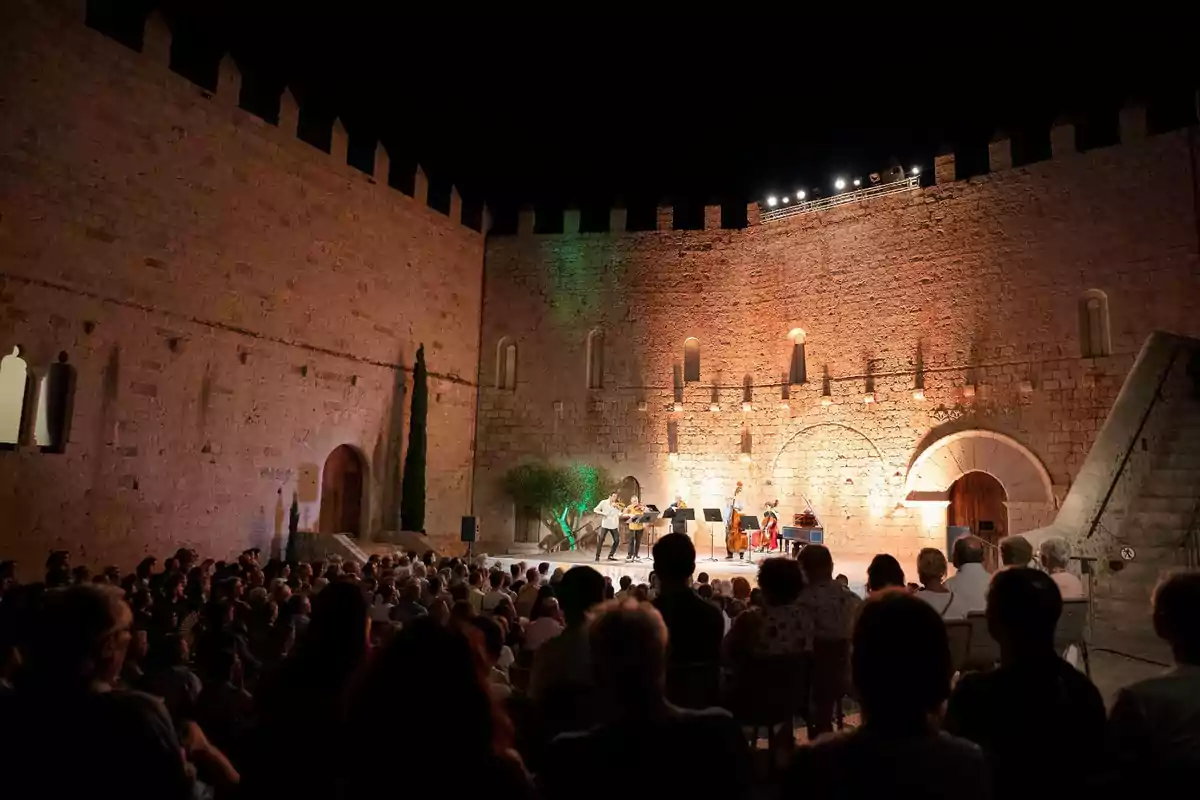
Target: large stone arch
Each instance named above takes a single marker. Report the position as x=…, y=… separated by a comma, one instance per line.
x=1024, y=478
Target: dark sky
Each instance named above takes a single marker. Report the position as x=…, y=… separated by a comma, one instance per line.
x=590, y=107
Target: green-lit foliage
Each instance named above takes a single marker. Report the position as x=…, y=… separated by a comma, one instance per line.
x=562, y=495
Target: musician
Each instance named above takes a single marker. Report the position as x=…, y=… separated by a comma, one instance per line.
x=735, y=537
x=634, y=510
x=611, y=509
x=678, y=525
x=769, y=538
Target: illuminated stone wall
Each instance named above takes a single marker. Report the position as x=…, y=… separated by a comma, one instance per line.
x=976, y=283
x=236, y=304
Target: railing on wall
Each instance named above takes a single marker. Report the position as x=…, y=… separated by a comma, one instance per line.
x=858, y=195
x=1156, y=401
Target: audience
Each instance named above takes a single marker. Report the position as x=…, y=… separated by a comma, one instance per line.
x=1154, y=729
x=970, y=581
x=643, y=740
x=249, y=669
x=1054, y=554
x=1035, y=702
x=901, y=670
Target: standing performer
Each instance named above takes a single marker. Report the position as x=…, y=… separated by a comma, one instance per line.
x=610, y=509
x=735, y=537
x=634, y=510
x=769, y=537
x=678, y=525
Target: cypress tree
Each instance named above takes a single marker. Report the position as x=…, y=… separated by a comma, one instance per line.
x=412, y=487
x=293, y=526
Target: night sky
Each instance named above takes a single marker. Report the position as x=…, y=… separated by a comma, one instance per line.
x=588, y=109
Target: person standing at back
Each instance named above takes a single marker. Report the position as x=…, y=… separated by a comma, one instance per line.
x=1036, y=703
x=696, y=627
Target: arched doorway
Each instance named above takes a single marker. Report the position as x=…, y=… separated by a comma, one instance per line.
x=342, y=483
x=629, y=489
x=977, y=501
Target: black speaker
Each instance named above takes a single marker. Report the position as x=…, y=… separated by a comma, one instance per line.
x=470, y=527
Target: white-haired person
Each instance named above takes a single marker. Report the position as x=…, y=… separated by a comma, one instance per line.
x=1054, y=554
x=628, y=643
x=931, y=570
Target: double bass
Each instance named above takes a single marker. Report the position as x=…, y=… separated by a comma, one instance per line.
x=735, y=537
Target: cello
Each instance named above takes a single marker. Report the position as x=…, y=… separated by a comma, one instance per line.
x=735, y=537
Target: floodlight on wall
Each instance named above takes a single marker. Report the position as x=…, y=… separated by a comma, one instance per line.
x=772, y=201
x=916, y=170
x=857, y=182
x=918, y=394
x=869, y=397
x=715, y=407
x=673, y=456
x=747, y=407
x=801, y=194
x=786, y=200
x=839, y=184
x=678, y=407
x=826, y=400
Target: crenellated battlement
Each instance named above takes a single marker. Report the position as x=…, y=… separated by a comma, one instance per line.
x=157, y=42
x=1132, y=128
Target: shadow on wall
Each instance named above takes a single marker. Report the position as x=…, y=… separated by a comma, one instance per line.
x=388, y=453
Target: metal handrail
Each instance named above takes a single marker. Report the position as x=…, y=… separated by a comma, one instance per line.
x=880, y=190
x=1158, y=390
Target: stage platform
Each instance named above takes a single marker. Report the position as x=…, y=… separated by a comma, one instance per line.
x=854, y=569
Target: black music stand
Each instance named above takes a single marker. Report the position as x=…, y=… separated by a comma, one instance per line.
x=748, y=523
x=647, y=518
x=711, y=516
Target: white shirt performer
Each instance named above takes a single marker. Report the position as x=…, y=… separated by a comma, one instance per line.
x=610, y=509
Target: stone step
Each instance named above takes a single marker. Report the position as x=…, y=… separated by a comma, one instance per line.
x=1152, y=501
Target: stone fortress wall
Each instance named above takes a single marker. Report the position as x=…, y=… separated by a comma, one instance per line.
x=235, y=303
x=982, y=324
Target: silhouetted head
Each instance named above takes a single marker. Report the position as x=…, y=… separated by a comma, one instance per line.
x=781, y=580
x=817, y=563
x=1015, y=551
x=884, y=572
x=1023, y=607
x=1177, y=615
x=581, y=589
x=900, y=661
x=931, y=566
x=674, y=559
x=967, y=550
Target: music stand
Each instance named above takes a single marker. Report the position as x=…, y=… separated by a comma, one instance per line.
x=711, y=516
x=647, y=518
x=748, y=523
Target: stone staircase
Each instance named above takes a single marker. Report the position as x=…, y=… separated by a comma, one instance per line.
x=1134, y=506
x=1157, y=528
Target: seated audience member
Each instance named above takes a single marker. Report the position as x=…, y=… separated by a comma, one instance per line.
x=497, y=593
x=884, y=574
x=741, y=589
x=492, y=647
x=901, y=667
x=1154, y=729
x=69, y=729
x=829, y=607
x=561, y=683
x=306, y=695
x=780, y=626
x=931, y=569
x=173, y=680
x=629, y=649
x=475, y=593
x=449, y=728
x=1015, y=551
x=529, y=593
x=1035, y=702
x=626, y=591
x=696, y=626
x=545, y=625
x=409, y=609
x=970, y=581
x=1055, y=553
x=843, y=580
